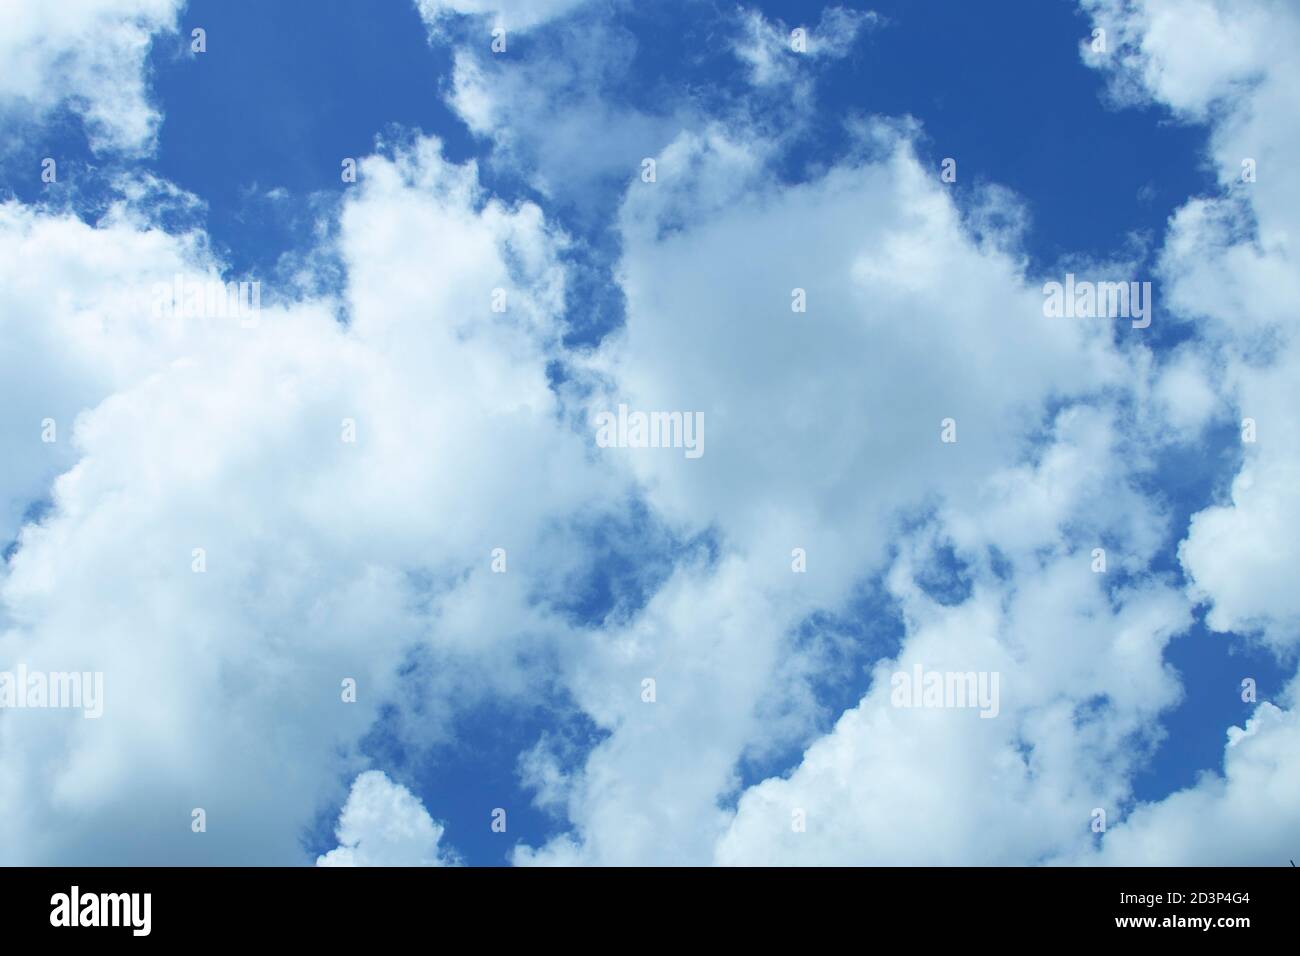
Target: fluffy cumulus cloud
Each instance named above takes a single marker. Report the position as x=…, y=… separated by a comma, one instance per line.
x=89, y=54
x=1232, y=270
x=212, y=445
x=909, y=321
x=1069, y=718
x=549, y=118
x=76, y=326
x=881, y=254
x=1158, y=48
x=239, y=522
x=384, y=824
x=1244, y=817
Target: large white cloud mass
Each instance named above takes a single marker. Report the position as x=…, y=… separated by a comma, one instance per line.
x=326, y=559
x=909, y=322
x=1232, y=268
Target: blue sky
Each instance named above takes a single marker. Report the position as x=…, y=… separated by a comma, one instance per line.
x=529, y=160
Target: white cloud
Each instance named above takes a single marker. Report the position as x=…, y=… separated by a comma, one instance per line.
x=1187, y=53
x=324, y=560
x=1185, y=391
x=383, y=824
x=769, y=51
x=1248, y=816
x=547, y=116
x=553, y=116
x=76, y=326
x=909, y=321
x=1231, y=268
x=511, y=14
x=329, y=560
x=90, y=53
x=1081, y=680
